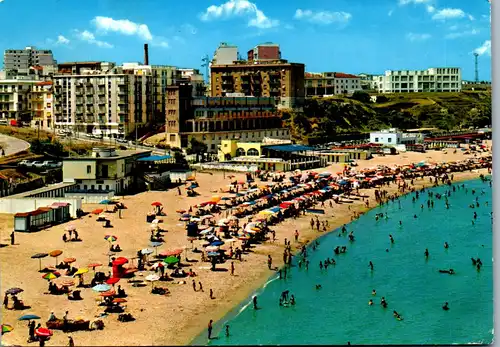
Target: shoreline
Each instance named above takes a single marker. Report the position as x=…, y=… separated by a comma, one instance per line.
x=179, y=318
x=229, y=310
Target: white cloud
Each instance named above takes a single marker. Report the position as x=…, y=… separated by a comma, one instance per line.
x=448, y=13
x=61, y=40
x=417, y=37
x=123, y=26
x=87, y=36
x=406, y=2
x=233, y=8
x=484, y=48
x=459, y=34
x=430, y=8
x=322, y=17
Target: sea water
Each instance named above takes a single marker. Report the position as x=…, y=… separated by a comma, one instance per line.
x=339, y=311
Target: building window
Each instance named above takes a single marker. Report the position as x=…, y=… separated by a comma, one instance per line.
x=89, y=169
x=252, y=152
x=240, y=152
x=389, y=140
x=376, y=139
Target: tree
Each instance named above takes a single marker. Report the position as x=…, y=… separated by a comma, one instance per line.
x=361, y=96
x=197, y=147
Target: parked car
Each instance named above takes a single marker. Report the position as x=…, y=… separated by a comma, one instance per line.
x=37, y=164
x=97, y=136
x=121, y=140
x=89, y=135
x=51, y=164
x=26, y=163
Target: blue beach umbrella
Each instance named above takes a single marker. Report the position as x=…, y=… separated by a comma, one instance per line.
x=217, y=243
x=213, y=254
x=28, y=317
x=101, y=288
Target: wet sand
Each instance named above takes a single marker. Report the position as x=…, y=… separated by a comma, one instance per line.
x=162, y=320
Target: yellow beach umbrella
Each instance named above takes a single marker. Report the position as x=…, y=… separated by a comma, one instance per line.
x=81, y=271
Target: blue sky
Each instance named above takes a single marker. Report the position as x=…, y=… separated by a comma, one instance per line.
x=326, y=35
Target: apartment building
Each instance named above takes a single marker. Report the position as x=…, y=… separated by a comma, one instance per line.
x=445, y=79
x=331, y=83
x=213, y=119
x=42, y=105
x=15, y=100
x=111, y=103
x=83, y=67
x=14, y=59
x=270, y=78
x=264, y=51
x=225, y=54
x=195, y=78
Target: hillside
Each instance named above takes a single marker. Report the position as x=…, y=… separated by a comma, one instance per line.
x=323, y=119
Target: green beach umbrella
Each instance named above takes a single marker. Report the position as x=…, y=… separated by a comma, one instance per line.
x=171, y=260
x=6, y=328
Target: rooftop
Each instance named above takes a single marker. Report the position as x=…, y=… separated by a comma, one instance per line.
x=120, y=154
x=39, y=190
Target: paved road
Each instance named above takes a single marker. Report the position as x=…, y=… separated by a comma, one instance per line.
x=13, y=145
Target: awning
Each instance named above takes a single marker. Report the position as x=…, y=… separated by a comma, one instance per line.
x=155, y=158
x=289, y=148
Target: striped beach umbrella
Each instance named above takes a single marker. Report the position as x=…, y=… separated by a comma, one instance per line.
x=110, y=238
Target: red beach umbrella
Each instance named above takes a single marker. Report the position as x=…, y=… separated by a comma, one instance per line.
x=173, y=252
x=108, y=293
x=69, y=260
x=43, y=332
x=112, y=280
x=156, y=203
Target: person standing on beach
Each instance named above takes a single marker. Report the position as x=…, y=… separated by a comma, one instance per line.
x=232, y=268
x=210, y=329
x=296, y=236
x=194, y=285
x=12, y=240
x=6, y=300
x=71, y=343
x=211, y=294
x=227, y=330
x=269, y=261
x=254, y=299
x=201, y=287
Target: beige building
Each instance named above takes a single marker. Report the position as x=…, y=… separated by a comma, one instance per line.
x=110, y=103
x=331, y=83
x=15, y=100
x=42, y=105
x=106, y=170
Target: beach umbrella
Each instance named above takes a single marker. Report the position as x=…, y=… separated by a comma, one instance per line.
x=14, y=291
x=101, y=288
x=195, y=219
x=156, y=244
x=217, y=243
x=39, y=256
x=67, y=282
x=172, y=252
x=110, y=238
x=6, y=328
x=186, y=215
x=119, y=300
x=180, y=211
x=71, y=227
x=113, y=280
x=51, y=275
x=106, y=202
x=212, y=248
x=97, y=211
x=156, y=203
x=94, y=265
x=156, y=221
x=146, y=251
x=157, y=265
x=171, y=260
x=152, y=278
x=69, y=260
x=108, y=293
x=81, y=271
x=43, y=332
x=29, y=317
x=213, y=254
x=55, y=253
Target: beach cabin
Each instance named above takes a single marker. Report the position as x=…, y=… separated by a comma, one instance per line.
x=61, y=212
x=33, y=220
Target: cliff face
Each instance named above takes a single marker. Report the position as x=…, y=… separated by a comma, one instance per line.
x=323, y=119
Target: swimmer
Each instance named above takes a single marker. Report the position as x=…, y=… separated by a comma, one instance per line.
x=374, y=292
x=292, y=300
x=371, y=265
x=318, y=286
x=446, y=245
x=391, y=238
x=426, y=253
x=383, y=302
x=414, y=216
x=370, y=303
x=445, y=306
x=387, y=250
x=400, y=223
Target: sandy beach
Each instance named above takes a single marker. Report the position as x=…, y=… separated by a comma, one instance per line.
x=163, y=320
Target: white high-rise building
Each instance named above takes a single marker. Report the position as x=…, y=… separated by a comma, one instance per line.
x=110, y=103
x=225, y=54
x=446, y=79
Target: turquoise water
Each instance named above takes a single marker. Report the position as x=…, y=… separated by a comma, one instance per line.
x=339, y=312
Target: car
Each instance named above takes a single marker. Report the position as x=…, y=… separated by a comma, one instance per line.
x=51, y=164
x=26, y=163
x=37, y=164
x=89, y=136
x=121, y=140
x=97, y=136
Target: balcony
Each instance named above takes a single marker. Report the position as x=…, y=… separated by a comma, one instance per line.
x=79, y=111
x=227, y=83
x=89, y=101
x=90, y=119
x=101, y=91
x=101, y=101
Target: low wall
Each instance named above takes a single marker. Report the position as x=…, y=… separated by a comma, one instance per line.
x=89, y=198
x=13, y=205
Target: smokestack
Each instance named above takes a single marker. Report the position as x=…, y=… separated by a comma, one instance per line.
x=146, y=54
